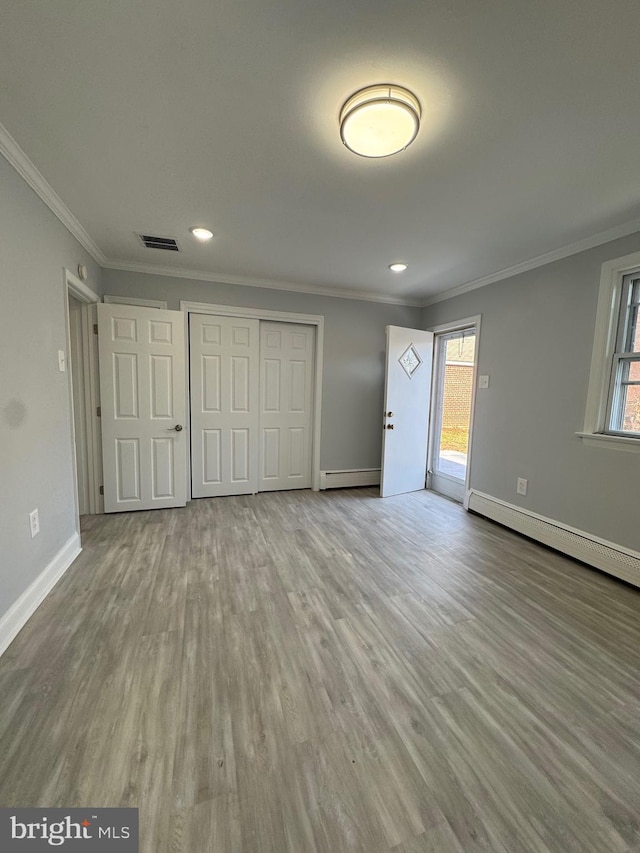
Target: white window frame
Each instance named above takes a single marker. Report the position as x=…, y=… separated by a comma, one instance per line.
x=623, y=356
x=608, y=319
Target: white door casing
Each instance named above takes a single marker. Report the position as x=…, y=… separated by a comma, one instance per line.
x=448, y=472
x=224, y=374
x=453, y=326
x=142, y=390
x=406, y=410
x=76, y=368
x=286, y=400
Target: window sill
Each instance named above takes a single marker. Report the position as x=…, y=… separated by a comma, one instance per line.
x=611, y=442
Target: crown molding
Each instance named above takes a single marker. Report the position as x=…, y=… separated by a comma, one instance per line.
x=607, y=236
x=16, y=157
x=223, y=278
x=12, y=152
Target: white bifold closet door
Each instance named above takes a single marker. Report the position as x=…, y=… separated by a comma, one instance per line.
x=286, y=378
x=251, y=399
x=224, y=405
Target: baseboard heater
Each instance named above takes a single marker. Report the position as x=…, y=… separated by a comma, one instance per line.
x=349, y=478
x=607, y=556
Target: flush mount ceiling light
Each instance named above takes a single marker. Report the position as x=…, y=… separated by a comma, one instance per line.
x=201, y=233
x=399, y=267
x=380, y=120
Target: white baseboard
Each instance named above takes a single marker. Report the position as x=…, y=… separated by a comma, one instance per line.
x=21, y=610
x=614, y=559
x=349, y=478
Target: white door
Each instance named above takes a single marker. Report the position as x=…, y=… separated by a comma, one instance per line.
x=225, y=371
x=286, y=378
x=142, y=390
x=406, y=410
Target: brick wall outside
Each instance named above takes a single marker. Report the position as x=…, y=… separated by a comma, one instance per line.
x=632, y=409
x=458, y=385
x=456, y=410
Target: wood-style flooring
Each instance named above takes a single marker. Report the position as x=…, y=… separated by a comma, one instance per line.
x=296, y=672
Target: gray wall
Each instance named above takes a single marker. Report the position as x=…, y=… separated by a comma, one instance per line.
x=35, y=429
x=354, y=344
x=536, y=342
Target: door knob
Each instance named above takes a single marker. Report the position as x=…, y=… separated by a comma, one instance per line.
x=178, y=427
x=388, y=414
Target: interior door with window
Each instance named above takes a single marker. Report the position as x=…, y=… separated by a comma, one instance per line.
x=142, y=390
x=453, y=389
x=406, y=410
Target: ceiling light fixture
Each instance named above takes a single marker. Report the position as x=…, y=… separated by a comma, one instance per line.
x=201, y=233
x=380, y=120
x=399, y=267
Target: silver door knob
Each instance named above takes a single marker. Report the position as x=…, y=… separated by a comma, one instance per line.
x=178, y=427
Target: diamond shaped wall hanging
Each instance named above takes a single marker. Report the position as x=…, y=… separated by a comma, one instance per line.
x=410, y=360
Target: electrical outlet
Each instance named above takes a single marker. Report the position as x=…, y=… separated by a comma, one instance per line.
x=521, y=488
x=483, y=381
x=34, y=523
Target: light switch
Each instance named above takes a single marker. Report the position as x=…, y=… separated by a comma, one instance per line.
x=62, y=361
x=34, y=523
x=483, y=381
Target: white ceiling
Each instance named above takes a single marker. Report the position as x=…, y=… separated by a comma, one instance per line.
x=155, y=115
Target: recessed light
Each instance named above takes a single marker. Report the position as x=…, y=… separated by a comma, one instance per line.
x=201, y=233
x=397, y=267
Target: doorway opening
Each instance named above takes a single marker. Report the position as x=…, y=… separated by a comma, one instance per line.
x=455, y=358
x=82, y=366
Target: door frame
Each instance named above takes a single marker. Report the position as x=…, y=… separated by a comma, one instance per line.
x=133, y=300
x=441, y=329
x=316, y=320
x=88, y=299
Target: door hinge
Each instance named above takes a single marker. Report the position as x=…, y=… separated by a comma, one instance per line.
x=95, y=328
x=102, y=490
x=99, y=411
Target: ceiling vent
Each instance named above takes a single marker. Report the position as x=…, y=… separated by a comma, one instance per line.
x=166, y=243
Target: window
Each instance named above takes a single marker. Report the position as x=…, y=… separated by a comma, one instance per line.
x=623, y=410
x=612, y=417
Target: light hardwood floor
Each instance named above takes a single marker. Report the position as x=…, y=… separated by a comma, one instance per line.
x=298, y=672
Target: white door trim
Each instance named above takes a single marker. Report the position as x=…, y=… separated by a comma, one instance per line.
x=455, y=326
x=316, y=320
x=73, y=286
x=133, y=300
